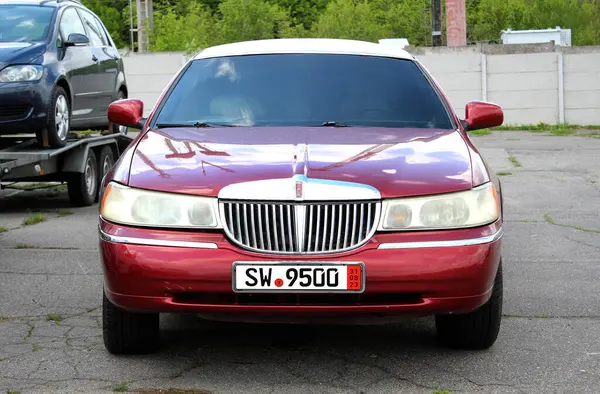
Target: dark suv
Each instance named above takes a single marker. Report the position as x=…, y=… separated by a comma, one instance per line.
x=59, y=70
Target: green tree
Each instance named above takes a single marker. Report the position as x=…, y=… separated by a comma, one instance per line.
x=108, y=12
x=243, y=20
x=492, y=16
x=350, y=19
x=407, y=19
x=188, y=32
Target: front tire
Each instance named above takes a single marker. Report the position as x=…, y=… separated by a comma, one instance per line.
x=126, y=332
x=59, y=119
x=477, y=330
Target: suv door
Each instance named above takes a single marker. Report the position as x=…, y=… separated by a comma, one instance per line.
x=79, y=68
x=107, y=61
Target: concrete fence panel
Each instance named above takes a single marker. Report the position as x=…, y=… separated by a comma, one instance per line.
x=545, y=84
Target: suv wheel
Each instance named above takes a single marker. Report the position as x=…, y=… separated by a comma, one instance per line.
x=126, y=332
x=58, y=120
x=476, y=330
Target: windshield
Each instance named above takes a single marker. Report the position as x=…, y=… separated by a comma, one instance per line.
x=24, y=23
x=305, y=90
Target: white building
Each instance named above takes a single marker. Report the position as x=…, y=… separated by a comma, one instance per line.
x=561, y=37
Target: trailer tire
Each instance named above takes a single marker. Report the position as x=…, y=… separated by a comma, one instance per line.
x=58, y=120
x=83, y=186
x=106, y=161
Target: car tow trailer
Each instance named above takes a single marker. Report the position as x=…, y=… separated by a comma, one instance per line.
x=82, y=163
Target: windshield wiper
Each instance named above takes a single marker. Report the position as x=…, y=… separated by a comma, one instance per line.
x=197, y=125
x=334, y=124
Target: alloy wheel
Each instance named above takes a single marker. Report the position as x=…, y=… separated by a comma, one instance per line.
x=61, y=117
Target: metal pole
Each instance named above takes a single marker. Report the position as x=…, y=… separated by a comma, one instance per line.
x=131, y=26
x=436, y=22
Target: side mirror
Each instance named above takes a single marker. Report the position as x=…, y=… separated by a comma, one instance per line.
x=127, y=112
x=482, y=115
x=76, y=39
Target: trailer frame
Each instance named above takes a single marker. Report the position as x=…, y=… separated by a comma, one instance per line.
x=82, y=163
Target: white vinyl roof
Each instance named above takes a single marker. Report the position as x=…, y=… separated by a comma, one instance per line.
x=304, y=45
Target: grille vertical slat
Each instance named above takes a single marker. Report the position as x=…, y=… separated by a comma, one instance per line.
x=260, y=227
x=245, y=220
x=310, y=229
x=347, y=225
x=274, y=217
x=290, y=227
x=253, y=226
x=272, y=227
x=268, y=231
x=334, y=230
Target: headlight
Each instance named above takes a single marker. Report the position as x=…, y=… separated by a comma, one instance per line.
x=136, y=207
x=472, y=208
x=26, y=73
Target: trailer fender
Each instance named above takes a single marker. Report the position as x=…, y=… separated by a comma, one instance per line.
x=75, y=159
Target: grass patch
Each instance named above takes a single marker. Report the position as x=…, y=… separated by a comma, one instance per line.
x=3, y=230
x=35, y=219
x=542, y=316
x=591, y=134
x=559, y=129
x=551, y=220
x=86, y=132
x=171, y=391
x=55, y=318
x=24, y=246
x=36, y=186
x=514, y=161
x=481, y=132
x=438, y=391
x=503, y=173
x=64, y=213
x=35, y=348
x=121, y=388
x=12, y=392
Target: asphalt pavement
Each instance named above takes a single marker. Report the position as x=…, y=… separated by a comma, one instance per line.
x=50, y=297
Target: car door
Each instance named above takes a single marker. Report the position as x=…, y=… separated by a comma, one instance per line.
x=78, y=66
x=106, y=59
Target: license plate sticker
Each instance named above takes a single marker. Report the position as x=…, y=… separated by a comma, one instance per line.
x=298, y=277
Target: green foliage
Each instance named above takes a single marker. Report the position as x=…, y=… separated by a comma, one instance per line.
x=190, y=25
x=243, y=20
x=490, y=17
x=350, y=19
x=191, y=30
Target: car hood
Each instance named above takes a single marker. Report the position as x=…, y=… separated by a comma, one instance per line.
x=397, y=162
x=19, y=52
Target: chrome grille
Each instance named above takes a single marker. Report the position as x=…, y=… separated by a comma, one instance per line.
x=299, y=228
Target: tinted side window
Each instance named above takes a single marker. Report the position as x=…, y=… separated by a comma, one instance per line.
x=103, y=31
x=306, y=90
x=70, y=23
x=94, y=33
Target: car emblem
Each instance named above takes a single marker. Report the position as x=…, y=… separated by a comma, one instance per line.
x=299, y=189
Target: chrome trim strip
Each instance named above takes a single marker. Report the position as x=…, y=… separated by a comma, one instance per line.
x=284, y=189
x=156, y=242
x=443, y=244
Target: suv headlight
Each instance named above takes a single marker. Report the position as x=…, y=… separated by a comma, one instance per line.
x=471, y=208
x=137, y=207
x=27, y=73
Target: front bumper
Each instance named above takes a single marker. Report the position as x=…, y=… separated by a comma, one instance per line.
x=23, y=107
x=410, y=274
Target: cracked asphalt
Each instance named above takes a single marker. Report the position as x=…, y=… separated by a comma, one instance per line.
x=50, y=295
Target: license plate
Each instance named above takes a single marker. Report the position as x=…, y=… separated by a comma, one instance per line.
x=298, y=277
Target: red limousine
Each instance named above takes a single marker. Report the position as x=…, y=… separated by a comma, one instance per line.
x=297, y=179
